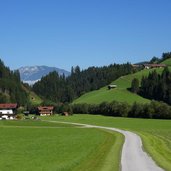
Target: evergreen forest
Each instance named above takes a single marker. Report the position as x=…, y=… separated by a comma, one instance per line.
x=157, y=86
x=11, y=90
x=65, y=89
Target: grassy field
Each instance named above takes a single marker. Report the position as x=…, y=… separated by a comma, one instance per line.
x=156, y=134
x=120, y=94
x=31, y=124
x=44, y=146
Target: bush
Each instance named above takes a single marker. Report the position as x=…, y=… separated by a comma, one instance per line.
x=66, y=108
x=81, y=108
x=135, y=85
x=124, y=109
x=161, y=110
x=20, y=116
x=20, y=110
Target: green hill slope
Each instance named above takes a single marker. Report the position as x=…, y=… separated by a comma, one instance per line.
x=120, y=93
x=167, y=62
x=33, y=97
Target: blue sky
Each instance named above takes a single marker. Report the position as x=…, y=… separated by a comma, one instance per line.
x=65, y=33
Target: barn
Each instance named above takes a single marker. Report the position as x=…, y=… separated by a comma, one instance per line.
x=8, y=111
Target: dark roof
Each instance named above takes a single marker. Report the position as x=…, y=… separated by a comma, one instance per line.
x=8, y=105
x=40, y=108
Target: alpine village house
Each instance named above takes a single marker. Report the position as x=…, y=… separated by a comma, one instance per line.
x=149, y=66
x=45, y=110
x=8, y=111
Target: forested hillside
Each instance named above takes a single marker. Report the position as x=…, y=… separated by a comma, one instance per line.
x=10, y=86
x=164, y=59
x=120, y=94
x=61, y=89
x=157, y=86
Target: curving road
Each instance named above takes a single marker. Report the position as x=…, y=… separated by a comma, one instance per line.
x=133, y=157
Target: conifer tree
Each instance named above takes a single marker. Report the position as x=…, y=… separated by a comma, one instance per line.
x=135, y=85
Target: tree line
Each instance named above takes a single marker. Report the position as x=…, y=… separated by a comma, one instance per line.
x=65, y=89
x=154, y=86
x=152, y=110
x=164, y=57
x=11, y=90
x=157, y=86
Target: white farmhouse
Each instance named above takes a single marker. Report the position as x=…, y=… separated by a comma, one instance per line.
x=8, y=111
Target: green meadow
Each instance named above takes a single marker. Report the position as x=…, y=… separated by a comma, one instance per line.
x=155, y=134
x=44, y=146
x=167, y=62
x=51, y=146
x=121, y=93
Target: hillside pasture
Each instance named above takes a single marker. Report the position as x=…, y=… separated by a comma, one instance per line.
x=33, y=97
x=121, y=93
x=47, y=146
x=167, y=62
x=104, y=95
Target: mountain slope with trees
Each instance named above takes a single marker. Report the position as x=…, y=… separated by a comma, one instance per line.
x=10, y=86
x=32, y=74
x=120, y=94
x=65, y=89
x=157, y=86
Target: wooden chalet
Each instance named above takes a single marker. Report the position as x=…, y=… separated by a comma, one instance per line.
x=149, y=66
x=8, y=111
x=45, y=110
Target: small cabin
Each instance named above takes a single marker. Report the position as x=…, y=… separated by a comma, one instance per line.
x=8, y=111
x=112, y=86
x=45, y=110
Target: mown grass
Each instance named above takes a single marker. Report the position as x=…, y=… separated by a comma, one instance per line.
x=37, y=147
x=104, y=95
x=30, y=123
x=155, y=134
x=106, y=157
x=121, y=93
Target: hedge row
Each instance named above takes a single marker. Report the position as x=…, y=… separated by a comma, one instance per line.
x=155, y=110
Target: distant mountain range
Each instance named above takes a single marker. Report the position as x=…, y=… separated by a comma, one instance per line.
x=32, y=74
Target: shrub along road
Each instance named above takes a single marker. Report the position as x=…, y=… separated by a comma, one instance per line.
x=133, y=157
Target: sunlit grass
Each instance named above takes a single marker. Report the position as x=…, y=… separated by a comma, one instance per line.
x=35, y=146
x=156, y=134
